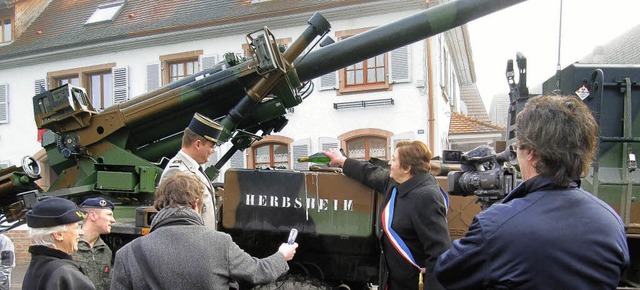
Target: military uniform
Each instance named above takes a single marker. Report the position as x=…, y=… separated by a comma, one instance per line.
x=95, y=262
x=184, y=163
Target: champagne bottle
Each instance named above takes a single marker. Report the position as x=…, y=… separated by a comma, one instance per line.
x=319, y=158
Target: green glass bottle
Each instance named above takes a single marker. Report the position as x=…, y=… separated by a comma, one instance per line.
x=319, y=158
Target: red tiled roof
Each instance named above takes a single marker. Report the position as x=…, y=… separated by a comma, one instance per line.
x=461, y=124
x=61, y=24
x=470, y=95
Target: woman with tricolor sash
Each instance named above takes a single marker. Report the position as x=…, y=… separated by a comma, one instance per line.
x=412, y=221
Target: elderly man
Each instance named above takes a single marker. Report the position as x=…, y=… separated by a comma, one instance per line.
x=548, y=233
x=55, y=231
x=181, y=253
x=198, y=143
x=93, y=255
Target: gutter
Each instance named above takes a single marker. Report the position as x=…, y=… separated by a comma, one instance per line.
x=432, y=119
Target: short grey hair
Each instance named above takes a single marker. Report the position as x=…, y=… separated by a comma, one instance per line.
x=44, y=236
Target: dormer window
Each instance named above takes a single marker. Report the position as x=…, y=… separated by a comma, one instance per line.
x=106, y=12
x=6, y=25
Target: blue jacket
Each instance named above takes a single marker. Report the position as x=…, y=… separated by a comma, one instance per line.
x=539, y=237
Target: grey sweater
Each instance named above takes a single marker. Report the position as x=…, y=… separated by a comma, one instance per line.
x=183, y=254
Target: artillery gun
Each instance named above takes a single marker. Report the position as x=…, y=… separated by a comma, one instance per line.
x=120, y=152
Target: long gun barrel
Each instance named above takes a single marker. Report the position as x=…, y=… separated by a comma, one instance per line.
x=396, y=34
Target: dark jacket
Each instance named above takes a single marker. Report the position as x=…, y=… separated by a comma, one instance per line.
x=539, y=237
x=420, y=219
x=52, y=269
x=181, y=253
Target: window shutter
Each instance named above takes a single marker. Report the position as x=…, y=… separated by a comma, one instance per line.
x=299, y=149
x=208, y=61
x=40, y=86
x=406, y=136
x=120, y=84
x=326, y=143
x=329, y=81
x=237, y=160
x=4, y=103
x=153, y=77
x=399, y=63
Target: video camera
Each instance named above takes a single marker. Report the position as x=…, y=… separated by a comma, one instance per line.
x=487, y=175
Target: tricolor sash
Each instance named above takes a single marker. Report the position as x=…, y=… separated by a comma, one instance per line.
x=394, y=238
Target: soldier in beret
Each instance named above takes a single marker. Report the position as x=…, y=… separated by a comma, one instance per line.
x=55, y=231
x=93, y=255
x=198, y=142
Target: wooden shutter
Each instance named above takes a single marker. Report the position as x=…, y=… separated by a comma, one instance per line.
x=40, y=86
x=208, y=61
x=326, y=143
x=153, y=77
x=120, y=84
x=399, y=71
x=4, y=103
x=299, y=149
x=237, y=160
x=329, y=81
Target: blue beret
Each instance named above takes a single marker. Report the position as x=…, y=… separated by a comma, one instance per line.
x=205, y=127
x=53, y=212
x=97, y=202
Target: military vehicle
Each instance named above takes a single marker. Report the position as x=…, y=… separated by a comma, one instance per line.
x=118, y=153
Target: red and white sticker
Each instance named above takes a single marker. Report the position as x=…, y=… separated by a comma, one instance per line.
x=582, y=92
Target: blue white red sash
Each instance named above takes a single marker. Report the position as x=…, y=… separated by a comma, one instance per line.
x=394, y=238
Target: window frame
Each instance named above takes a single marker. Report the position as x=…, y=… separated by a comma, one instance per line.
x=11, y=29
x=167, y=60
x=83, y=74
x=99, y=16
x=343, y=88
x=89, y=88
x=367, y=146
x=271, y=164
x=7, y=14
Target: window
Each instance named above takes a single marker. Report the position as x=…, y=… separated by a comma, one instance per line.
x=100, y=89
x=74, y=80
x=182, y=69
x=371, y=71
x=105, y=12
x=97, y=81
x=6, y=35
x=367, y=147
x=7, y=21
x=370, y=74
x=271, y=155
x=179, y=65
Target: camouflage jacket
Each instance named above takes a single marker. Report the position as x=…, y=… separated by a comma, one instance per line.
x=95, y=262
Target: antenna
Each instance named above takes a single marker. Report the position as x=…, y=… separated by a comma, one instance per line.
x=558, y=67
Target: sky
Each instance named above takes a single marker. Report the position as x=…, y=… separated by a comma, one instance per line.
x=532, y=28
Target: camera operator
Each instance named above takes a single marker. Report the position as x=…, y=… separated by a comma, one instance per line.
x=547, y=233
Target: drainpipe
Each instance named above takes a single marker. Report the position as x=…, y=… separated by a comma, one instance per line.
x=430, y=96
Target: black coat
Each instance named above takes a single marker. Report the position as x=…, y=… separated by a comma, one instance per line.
x=52, y=269
x=420, y=219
